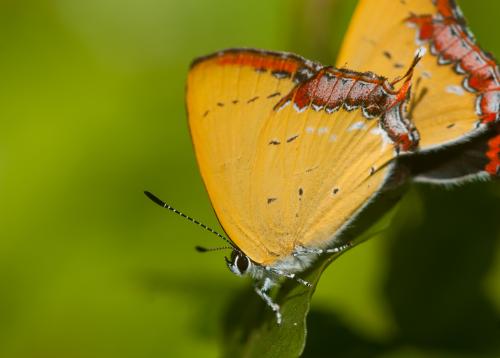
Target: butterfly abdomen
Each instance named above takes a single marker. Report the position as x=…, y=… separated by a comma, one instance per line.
x=331, y=89
x=452, y=42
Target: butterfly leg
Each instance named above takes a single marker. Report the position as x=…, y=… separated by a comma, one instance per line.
x=289, y=275
x=300, y=250
x=262, y=292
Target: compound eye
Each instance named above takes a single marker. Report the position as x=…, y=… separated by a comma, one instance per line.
x=234, y=256
x=242, y=262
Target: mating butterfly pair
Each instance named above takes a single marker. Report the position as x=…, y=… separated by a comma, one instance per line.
x=291, y=151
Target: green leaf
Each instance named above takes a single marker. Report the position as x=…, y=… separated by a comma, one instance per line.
x=250, y=326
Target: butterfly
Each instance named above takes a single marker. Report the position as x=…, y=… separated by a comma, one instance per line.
x=456, y=96
x=291, y=151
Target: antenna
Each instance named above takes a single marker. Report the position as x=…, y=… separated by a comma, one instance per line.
x=161, y=203
x=210, y=249
x=419, y=53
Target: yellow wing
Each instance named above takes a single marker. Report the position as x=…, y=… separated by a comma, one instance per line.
x=384, y=34
x=277, y=175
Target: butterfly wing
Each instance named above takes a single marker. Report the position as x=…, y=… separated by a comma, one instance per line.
x=456, y=90
x=280, y=170
x=479, y=156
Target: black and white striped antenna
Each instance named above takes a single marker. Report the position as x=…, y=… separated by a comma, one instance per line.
x=161, y=203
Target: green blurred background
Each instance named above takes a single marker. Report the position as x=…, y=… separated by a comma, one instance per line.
x=92, y=113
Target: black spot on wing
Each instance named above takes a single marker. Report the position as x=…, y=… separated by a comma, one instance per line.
x=274, y=94
x=292, y=138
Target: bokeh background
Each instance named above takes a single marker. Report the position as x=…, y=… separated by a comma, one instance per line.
x=92, y=113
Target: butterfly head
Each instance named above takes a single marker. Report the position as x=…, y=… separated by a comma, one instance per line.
x=239, y=263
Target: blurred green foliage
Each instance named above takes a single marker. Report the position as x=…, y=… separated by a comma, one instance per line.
x=92, y=113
